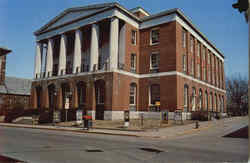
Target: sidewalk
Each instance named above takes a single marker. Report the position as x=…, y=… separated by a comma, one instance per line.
x=169, y=132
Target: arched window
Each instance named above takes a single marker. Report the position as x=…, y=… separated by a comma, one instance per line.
x=154, y=93
x=200, y=99
x=52, y=95
x=222, y=104
x=132, y=94
x=185, y=99
x=215, y=103
x=81, y=91
x=211, y=101
x=193, y=99
x=100, y=92
x=206, y=101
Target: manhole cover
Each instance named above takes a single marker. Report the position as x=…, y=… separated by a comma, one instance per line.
x=94, y=150
x=151, y=150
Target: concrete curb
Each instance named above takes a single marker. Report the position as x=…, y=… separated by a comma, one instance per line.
x=57, y=128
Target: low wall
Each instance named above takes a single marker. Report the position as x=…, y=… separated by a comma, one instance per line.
x=119, y=115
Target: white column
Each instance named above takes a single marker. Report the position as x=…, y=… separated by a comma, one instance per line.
x=49, y=59
x=38, y=60
x=77, y=51
x=94, y=47
x=122, y=45
x=62, y=55
x=114, y=40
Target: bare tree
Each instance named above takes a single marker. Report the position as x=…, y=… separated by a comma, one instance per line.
x=237, y=95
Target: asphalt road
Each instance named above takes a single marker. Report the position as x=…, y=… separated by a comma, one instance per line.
x=34, y=145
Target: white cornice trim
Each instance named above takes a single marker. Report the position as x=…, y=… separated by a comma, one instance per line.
x=139, y=76
x=175, y=17
x=139, y=9
x=196, y=35
x=90, y=20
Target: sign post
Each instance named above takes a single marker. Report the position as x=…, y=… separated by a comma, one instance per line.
x=126, y=118
x=79, y=117
x=66, y=108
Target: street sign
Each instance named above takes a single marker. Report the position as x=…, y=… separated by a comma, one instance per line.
x=157, y=103
x=66, y=103
x=79, y=116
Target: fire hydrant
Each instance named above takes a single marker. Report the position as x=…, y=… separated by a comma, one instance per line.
x=197, y=124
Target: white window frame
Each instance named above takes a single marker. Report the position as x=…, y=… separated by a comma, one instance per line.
x=158, y=41
x=184, y=38
x=205, y=73
x=157, y=60
x=150, y=93
x=208, y=58
x=184, y=63
x=132, y=95
x=204, y=53
x=192, y=67
x=198, y=71
x=133, y=60
x=185, y=99
x=133, y=37
x=198, y=49
x=191, y=43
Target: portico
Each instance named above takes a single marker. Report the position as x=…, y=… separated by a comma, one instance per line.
x=87, y=49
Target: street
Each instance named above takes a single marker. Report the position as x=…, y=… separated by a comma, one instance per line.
x=35, y=145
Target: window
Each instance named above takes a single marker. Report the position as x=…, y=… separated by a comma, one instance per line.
x=154, y=61
x=133, y=37
x=154, y=94
x=100, y=93
x=205, y=73
x=198, y=49
x=191, y=44
x=211, y=101
x=184, y=63
x=215, y=102
x=193, y=99
x=184, y=37
x=132, y=94
x=198, y=71
x=200, y=99
x=133, y=62
x=208, y=58
x=206, y=101
x=185, y=95
x=192, y=67
x=208, y=76
x=155, y=36
x=204, y=53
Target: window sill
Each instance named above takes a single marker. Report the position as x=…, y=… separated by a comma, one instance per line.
x=152, y=44
x=154, y=70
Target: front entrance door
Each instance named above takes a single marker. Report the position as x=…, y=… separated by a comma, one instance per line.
x=99, y=115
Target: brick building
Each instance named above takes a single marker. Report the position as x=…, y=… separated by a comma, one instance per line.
x=13, y=91
x=105, y=59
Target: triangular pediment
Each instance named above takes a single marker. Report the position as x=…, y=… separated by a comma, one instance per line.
x=73, y=14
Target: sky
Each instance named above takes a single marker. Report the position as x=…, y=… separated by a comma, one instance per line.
x=223, y=26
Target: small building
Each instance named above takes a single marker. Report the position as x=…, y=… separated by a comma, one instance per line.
x=13, y=91
x=105, y=59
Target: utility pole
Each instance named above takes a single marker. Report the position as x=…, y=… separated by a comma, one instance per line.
x=243, y=6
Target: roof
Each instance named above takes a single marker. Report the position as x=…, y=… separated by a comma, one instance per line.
x=4, y=50
x=99, y=8
x=140, y=9
x=186, y=19
x=17, y=86
x=106, y=6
